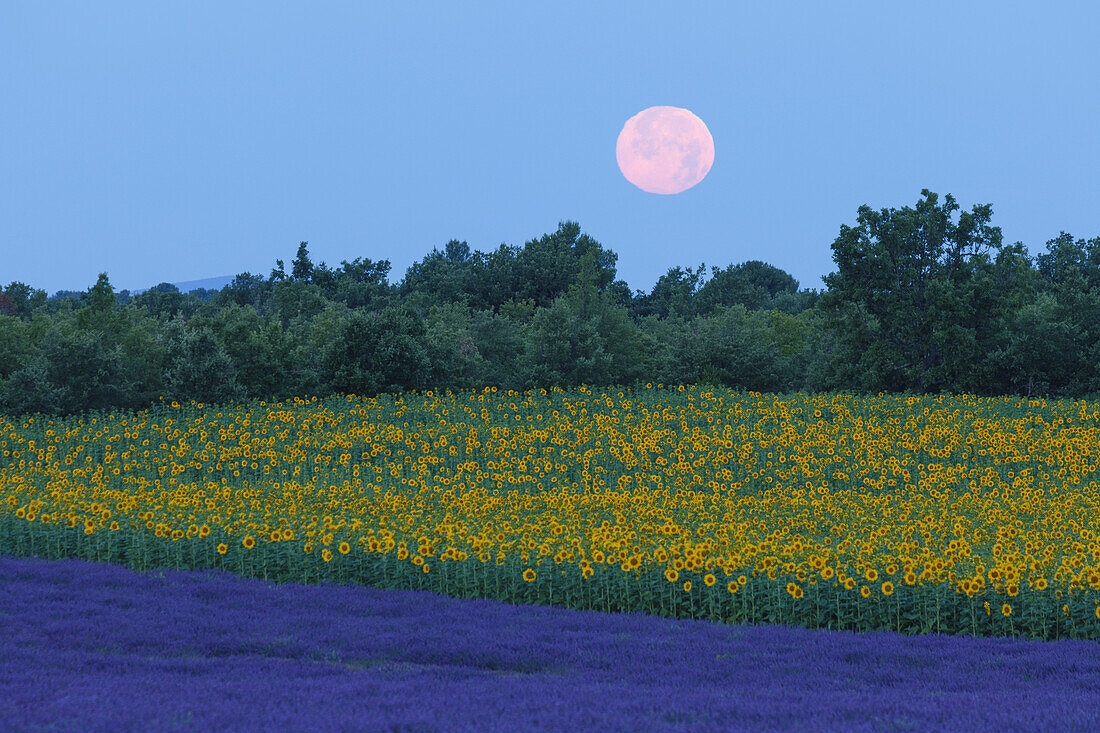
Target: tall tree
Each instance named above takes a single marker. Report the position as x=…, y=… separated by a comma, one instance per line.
x=546, y=267
x=907, y=272
x=100, y=313
x=1071, y=272
x=301, y=268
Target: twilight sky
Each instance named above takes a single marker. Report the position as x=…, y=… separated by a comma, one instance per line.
x=173, y=142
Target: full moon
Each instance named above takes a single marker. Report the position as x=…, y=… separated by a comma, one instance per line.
x=664, y=150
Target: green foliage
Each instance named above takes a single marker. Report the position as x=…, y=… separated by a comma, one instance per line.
x=740, y=351
x=30, y=390
x=584, y=338
x=200, y=369
x=74, y=371
x=918, y=304
x=674, y=294
x=20, y=300
x=500, y=342
x=454, y=356
x=914, y=294
x=383, y=352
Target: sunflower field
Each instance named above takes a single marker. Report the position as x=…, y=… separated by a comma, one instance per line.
x=917, y=514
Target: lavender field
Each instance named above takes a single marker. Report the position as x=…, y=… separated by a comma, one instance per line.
x=87, y=646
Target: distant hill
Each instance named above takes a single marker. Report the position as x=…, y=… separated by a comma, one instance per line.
x=210, y=283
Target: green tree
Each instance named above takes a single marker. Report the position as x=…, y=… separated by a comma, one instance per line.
x=378, y=352
x=441, y=276
x=246, y=289
x=30, y=390
x=85, y=371
x=454, y=356
x=296, y=299
x=753, y=284
x=16, y=344
x=674, y=293
x=22, y=300
x=163, y=301
x=739, y=351
x=586, y=338
x=198, y=366
x=1030, y=358
x=259, y=348
x=301, y=268
x=1071, y=272
x=678, y=355
x=499, y=342
x=913, y=318
x=100, y=314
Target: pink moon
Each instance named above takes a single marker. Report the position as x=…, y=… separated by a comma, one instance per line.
x=664, y=150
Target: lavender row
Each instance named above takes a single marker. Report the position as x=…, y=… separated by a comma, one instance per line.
x=87, y=646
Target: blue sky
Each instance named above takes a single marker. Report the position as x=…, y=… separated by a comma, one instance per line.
x=172, y=142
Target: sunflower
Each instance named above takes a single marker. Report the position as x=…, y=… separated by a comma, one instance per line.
x=887, y=588
x=529, y=575
x=344, y=548
x=326, y=554
x=687, y=587
x=709, y=579
x=1006, y=610
x=223, y=548
x=672, y=575
x=865, y=592
x=732, y=586
x=248, y=542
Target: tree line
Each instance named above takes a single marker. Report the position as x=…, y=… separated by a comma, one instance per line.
x=917, y=304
